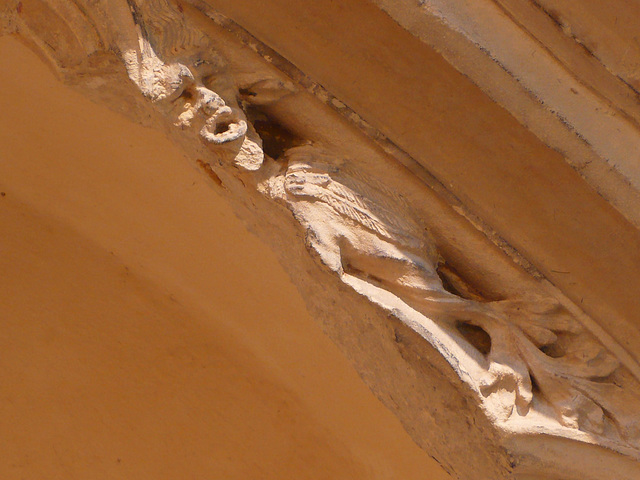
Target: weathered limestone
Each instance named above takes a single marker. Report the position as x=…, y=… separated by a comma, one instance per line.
x=128, y=347
x=437, y=300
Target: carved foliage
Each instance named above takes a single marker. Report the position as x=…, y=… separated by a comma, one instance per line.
x=539, y=358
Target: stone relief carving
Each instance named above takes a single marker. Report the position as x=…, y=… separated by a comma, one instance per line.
x=539, y=366
x=176, y=68
x=535, y=354
x=179, y=88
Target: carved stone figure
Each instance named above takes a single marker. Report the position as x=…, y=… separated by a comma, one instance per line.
x=538, y=355
x=536, y=368
x=182, y=92
x=179, y=70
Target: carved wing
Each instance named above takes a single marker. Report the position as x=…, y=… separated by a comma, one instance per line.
x=573, y=372
x=363, y=200
x=386, y=209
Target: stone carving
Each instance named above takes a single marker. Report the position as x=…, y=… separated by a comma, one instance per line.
x=178, y=71
x=181, y=91
x=537, y=356
x=538, y=369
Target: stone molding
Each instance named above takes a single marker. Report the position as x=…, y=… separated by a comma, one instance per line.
x=419, y=294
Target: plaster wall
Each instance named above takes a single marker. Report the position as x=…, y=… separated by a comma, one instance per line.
x=144, y=332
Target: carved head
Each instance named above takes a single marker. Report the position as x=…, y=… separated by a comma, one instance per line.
x=185, y=95
x=200, y=105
